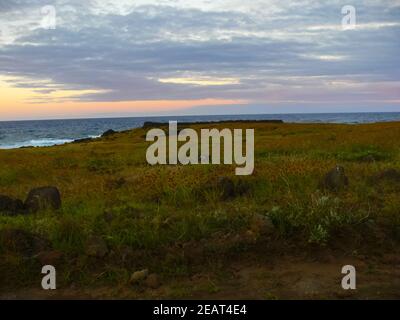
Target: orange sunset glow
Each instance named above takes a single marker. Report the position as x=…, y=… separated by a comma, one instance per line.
x=20, y=103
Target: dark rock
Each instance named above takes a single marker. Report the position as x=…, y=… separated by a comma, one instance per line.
x=230, y=189
x=43, y=198
x=152, y=124
x=108, y=133
x=10, y=206
x=96, y=247
x=23, y=242
x=335, y=180
x=83, y=140
x=227, y=188
x=392, y=175
x=242, y=187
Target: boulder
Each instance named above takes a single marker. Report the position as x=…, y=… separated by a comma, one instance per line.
x=335, y=179
x=392, y=175
x=108, y=133
x=10, y=206
x=43, y=198
x=23, y=242
x=83, y=140
x=243, y=187
x=139, y=276
x=230, y=189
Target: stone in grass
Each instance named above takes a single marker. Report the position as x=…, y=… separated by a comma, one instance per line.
x=22, y=242
x=139, y=276
x=96, y=247
x=10, y=206
x=43, y=198
x=335, y=180
x=391, y=174
x=229, y=189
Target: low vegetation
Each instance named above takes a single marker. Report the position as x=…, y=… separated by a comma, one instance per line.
x=120, y=215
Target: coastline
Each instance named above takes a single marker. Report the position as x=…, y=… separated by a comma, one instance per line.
x=43, y=133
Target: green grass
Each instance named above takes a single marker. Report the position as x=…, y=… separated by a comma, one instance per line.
x=108, y=190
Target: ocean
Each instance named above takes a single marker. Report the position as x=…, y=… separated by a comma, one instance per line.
x=39, y=133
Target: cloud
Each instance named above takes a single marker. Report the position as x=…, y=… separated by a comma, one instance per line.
x=261, y=51
x=201, y=81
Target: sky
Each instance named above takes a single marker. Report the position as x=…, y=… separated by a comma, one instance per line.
x=103, y=58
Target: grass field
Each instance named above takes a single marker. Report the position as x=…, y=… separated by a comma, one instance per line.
x=120, y=215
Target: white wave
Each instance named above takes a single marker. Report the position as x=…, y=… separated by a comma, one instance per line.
x=36, y=143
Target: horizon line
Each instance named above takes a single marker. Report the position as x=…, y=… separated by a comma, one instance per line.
x=196, y=115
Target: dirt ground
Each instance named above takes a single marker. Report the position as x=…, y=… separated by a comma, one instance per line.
x=286, y=277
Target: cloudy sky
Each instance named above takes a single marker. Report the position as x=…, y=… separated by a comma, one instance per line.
x=148, y=57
